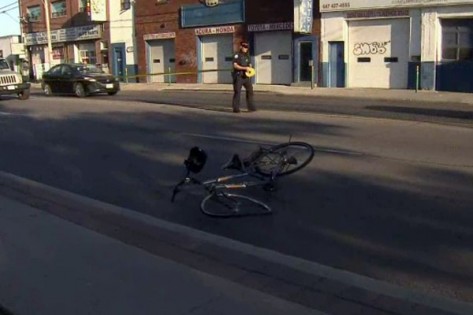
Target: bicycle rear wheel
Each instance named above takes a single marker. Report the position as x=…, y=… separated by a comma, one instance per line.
x=283, y=159
x=222, y=204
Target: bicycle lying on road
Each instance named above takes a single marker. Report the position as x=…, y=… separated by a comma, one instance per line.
x=261, y=168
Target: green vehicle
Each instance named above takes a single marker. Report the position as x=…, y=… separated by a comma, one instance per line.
x=12, y=82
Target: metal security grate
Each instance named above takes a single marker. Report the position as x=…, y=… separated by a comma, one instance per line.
x=8, y=79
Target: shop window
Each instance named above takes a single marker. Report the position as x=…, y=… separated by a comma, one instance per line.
x=58, y=9
x=457, y=39
x=58, y=53
x=33, y=13
x=125, y=5
x=88, y=56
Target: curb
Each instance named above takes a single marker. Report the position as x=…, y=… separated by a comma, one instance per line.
x=196, y=242
x=427, y=96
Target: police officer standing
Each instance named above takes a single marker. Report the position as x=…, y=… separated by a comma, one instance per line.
x=241, y=63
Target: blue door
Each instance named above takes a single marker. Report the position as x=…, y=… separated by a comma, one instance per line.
x=118, y=60
x=336, y=70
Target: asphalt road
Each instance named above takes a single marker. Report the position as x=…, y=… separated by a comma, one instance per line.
x=386, y=198
x=446, y=113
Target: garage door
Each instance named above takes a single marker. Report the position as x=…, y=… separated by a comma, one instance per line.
x=217, y=54
x=273, y=57
x=378, y=53
x=161, y=59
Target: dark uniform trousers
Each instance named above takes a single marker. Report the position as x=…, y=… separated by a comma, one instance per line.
x=239, y=80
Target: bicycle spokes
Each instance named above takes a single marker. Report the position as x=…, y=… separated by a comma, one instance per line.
x=223, y=204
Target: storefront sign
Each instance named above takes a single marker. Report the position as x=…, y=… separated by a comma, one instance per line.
x=215, y=30
x=303, y=16
x=98, y=10
x=377, y=13
x=344, y=5
x=226, y=12
x=159, y=36
x=18, y=49
x=270, y=27
x=65, y=35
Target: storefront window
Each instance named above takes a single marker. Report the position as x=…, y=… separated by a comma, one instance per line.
x=88, y=56
x=457, y=39
x=58, y=9
x=58, y=53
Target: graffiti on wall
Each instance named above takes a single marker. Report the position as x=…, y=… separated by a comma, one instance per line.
x=373, y=48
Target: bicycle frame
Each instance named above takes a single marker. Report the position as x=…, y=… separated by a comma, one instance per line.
x=211, y=185
x=216, y=184
x=220, y=190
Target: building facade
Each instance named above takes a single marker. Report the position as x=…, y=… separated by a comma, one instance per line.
x=123, y=60
x=196, y=40
x=79, y=33
x=397, y=44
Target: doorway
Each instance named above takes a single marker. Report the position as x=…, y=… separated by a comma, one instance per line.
x=118, y=61
x=305, y=58
x=336, y=71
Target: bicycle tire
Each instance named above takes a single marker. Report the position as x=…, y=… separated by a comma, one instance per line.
x=224, y=205
x=269, y=159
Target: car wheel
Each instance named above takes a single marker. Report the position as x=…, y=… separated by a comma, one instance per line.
x=79, y=90
x=24, y=95
x=47, y=90
x=112, y=93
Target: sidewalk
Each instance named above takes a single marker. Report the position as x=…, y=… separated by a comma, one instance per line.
x=358, y=93
x=117, y=261
x=53, y=267
x=354, y=93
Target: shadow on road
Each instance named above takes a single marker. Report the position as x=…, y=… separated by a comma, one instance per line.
x=459, y=114
x=415, y=229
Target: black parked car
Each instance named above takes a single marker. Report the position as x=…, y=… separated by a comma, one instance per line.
x=78, y=79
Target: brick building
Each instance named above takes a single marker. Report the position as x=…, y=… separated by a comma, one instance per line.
x=197, y=39
x=79, y=32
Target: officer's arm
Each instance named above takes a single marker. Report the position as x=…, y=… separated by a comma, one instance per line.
x=236, y=66
x=236, y=63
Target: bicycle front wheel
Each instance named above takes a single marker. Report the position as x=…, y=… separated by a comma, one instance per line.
x=283, y=159
x=222, y=204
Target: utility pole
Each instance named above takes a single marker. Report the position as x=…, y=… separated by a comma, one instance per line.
x=48, y=31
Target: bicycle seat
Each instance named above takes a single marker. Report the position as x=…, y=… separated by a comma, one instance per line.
x=196, y=160
x=234, y=163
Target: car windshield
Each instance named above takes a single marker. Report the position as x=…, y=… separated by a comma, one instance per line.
x=88, y=69
x=4, y=65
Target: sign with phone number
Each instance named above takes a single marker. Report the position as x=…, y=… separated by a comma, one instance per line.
x=345, y=5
